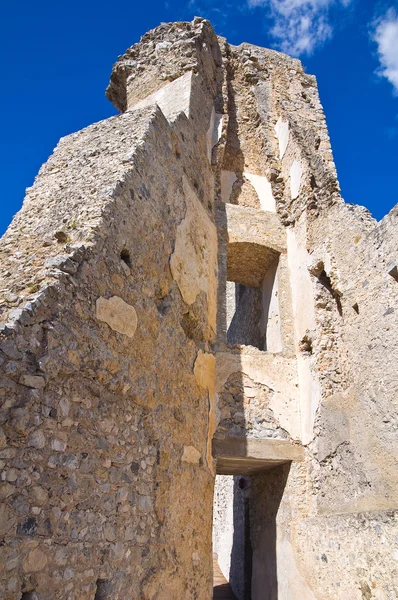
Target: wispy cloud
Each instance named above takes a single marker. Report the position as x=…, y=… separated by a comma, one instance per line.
x=385, y=34
x=300, y=26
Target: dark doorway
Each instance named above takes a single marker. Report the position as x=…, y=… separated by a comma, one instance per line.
x=245, y=533
x=232, y=535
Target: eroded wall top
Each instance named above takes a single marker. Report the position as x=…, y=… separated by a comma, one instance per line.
x=163, y=55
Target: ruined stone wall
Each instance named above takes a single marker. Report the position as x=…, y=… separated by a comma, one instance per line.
x=345, y=339
x=117, y=372
x=108, y=286
x=333, y=517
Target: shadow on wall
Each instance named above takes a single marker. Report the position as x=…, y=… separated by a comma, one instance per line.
x=253, y=573
x=266, y=493
x=240, y=573
x=246, y=545
x=232, y=538
x=247, y=315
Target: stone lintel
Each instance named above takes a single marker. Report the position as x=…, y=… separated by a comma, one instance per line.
x=242, y=456
x=255, y=226
x=255, y=240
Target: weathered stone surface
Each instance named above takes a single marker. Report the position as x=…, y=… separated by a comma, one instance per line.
x=35, y=561
x=191, y=455
x=32, y=381
x=131, y=368
x=116, y=313
x=7, y=519
x=88, y=452
x=193, y=262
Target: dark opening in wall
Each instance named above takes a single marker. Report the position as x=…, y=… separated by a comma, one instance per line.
x=326, y=282
x=232, y=536
x=244, y=483
x=125, y=256
x=253, y=307
x=393, y=271
x=252, y=303
x=244, y=311
x=103, y=591
x=306, y=345
x=30, y=596
x=313, y=182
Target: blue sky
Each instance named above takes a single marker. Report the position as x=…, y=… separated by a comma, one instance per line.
x=56, y=58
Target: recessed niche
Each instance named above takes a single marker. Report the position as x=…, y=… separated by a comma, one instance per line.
x=125, y=257
x=103, y=591
x=306, y=345
x=244, y=311
x=252, y=297
x=325, y=280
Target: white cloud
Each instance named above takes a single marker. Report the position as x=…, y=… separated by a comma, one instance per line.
x=299, y=26
x=385, y=34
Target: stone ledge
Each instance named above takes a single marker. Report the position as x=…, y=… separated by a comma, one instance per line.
x=242, y=456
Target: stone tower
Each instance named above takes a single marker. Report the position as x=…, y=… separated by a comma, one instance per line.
x=190, y=314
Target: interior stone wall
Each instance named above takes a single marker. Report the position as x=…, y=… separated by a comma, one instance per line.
x=335, y=515
x=223, y=522
x=231, y=539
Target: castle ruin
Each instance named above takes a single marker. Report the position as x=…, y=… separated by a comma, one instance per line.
x=198, y=347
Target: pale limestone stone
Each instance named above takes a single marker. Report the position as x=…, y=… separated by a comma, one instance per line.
x=118, y=550
x=145, y=503
x=124, y=188
x=304, y=312
x=6, y=490
x=214, y=132
x=33, y=381
x=12, y=475
x=282, y=133
x=263, y=189
x=292, y=583
x=39, y=494
x=68, y=573
x=296, y=173
x=204, y=371
x=265, y=368
x=35, y=561
x=58, y=445
x=223, y=522
x=191, y=455
x=3, y=439
x=194, y=261
x=119, y=315
x=64, y=406
x=173, y=98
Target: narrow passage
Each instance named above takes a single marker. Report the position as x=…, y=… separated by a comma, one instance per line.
x=221, y=588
